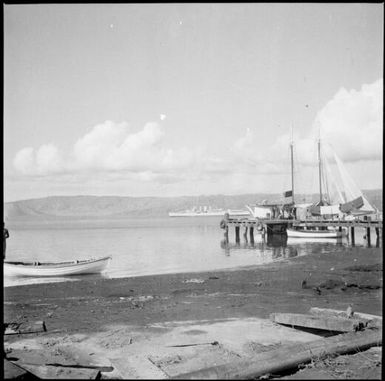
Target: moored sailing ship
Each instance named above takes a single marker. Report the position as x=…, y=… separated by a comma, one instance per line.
x=339, y=197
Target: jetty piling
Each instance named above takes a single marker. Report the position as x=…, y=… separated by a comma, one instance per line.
x=245, y=229
x=237, y=240
x=352, y=235
x=278, y=226
x=251, y=232
x=378, y=236
x=368, y=236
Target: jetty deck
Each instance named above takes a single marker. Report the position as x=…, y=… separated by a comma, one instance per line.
x=279, y=226
x=310, y=222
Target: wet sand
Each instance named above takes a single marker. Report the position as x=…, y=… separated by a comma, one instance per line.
x=94, y=307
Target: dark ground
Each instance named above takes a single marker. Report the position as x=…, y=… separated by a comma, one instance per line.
x=332, y=281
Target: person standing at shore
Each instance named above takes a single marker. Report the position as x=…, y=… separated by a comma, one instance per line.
x=6, y=235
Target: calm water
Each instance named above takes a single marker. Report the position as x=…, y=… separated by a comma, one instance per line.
x=154, y=246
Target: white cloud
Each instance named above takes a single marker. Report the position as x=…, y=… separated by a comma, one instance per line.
x=46, y=160
x=274, y=158
x=110, y=147
x=352, y=122
x=24, y=161
x=92, y=150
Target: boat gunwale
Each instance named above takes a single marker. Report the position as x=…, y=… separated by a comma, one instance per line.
x=310, y=233
x=51, y=265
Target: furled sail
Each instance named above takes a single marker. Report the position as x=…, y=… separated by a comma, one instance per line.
x=288, y=193
x=350, y=206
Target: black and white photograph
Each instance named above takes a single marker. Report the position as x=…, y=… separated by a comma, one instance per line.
x=193, y=190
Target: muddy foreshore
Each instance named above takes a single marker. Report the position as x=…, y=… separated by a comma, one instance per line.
x=86, y=306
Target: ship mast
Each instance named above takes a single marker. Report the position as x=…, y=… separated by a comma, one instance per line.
x=319, y=170
x=292, y=166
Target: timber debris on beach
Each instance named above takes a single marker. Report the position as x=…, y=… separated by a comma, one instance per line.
x=336, y=324
x=262, y=363
x=15, y=328
x=288, y=357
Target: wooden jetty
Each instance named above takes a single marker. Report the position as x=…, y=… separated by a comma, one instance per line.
x=279, y=226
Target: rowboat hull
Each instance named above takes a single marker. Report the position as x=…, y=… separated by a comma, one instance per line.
x=293, y=233
x=37, y=269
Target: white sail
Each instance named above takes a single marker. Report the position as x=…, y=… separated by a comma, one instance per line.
x=335, y=190
x=340, y=193
x=351, y=190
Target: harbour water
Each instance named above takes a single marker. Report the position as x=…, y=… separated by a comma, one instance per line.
x=156, y=246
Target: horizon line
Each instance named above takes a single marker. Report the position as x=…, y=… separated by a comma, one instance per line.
x=202, y=195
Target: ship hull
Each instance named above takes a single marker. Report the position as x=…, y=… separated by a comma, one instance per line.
x=294, y=233
x=232, y=213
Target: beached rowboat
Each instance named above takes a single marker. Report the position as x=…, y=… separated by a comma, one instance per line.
x=47, y=269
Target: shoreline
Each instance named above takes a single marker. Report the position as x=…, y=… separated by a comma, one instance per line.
x=280, y=279
x=96, y=308
x=98, y=277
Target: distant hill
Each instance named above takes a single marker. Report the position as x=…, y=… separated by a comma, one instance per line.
x=121, y=207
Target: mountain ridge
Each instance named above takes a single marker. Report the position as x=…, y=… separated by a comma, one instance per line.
x=127, y=206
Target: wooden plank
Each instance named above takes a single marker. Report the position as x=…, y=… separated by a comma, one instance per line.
x=328, y=312
x=288, y=357
x=332, y=312
x=79, y=357
x=318, y=322
x=14, y=372
x=53, y=372
x=82, y=366
x=64, y=357
x=137, y=367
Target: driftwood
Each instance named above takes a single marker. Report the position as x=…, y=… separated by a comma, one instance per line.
x=371, y=320
x=338, y=324
x=21, y=328
x=289, y=357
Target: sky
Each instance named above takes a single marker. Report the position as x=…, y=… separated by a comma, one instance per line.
x=188, y=99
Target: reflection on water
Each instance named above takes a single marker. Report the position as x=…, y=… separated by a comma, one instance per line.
x=279, y=246
x=25, y=280
x=156, y=246
x=266, y=248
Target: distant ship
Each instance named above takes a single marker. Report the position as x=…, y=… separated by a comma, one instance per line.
x=206, y=211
